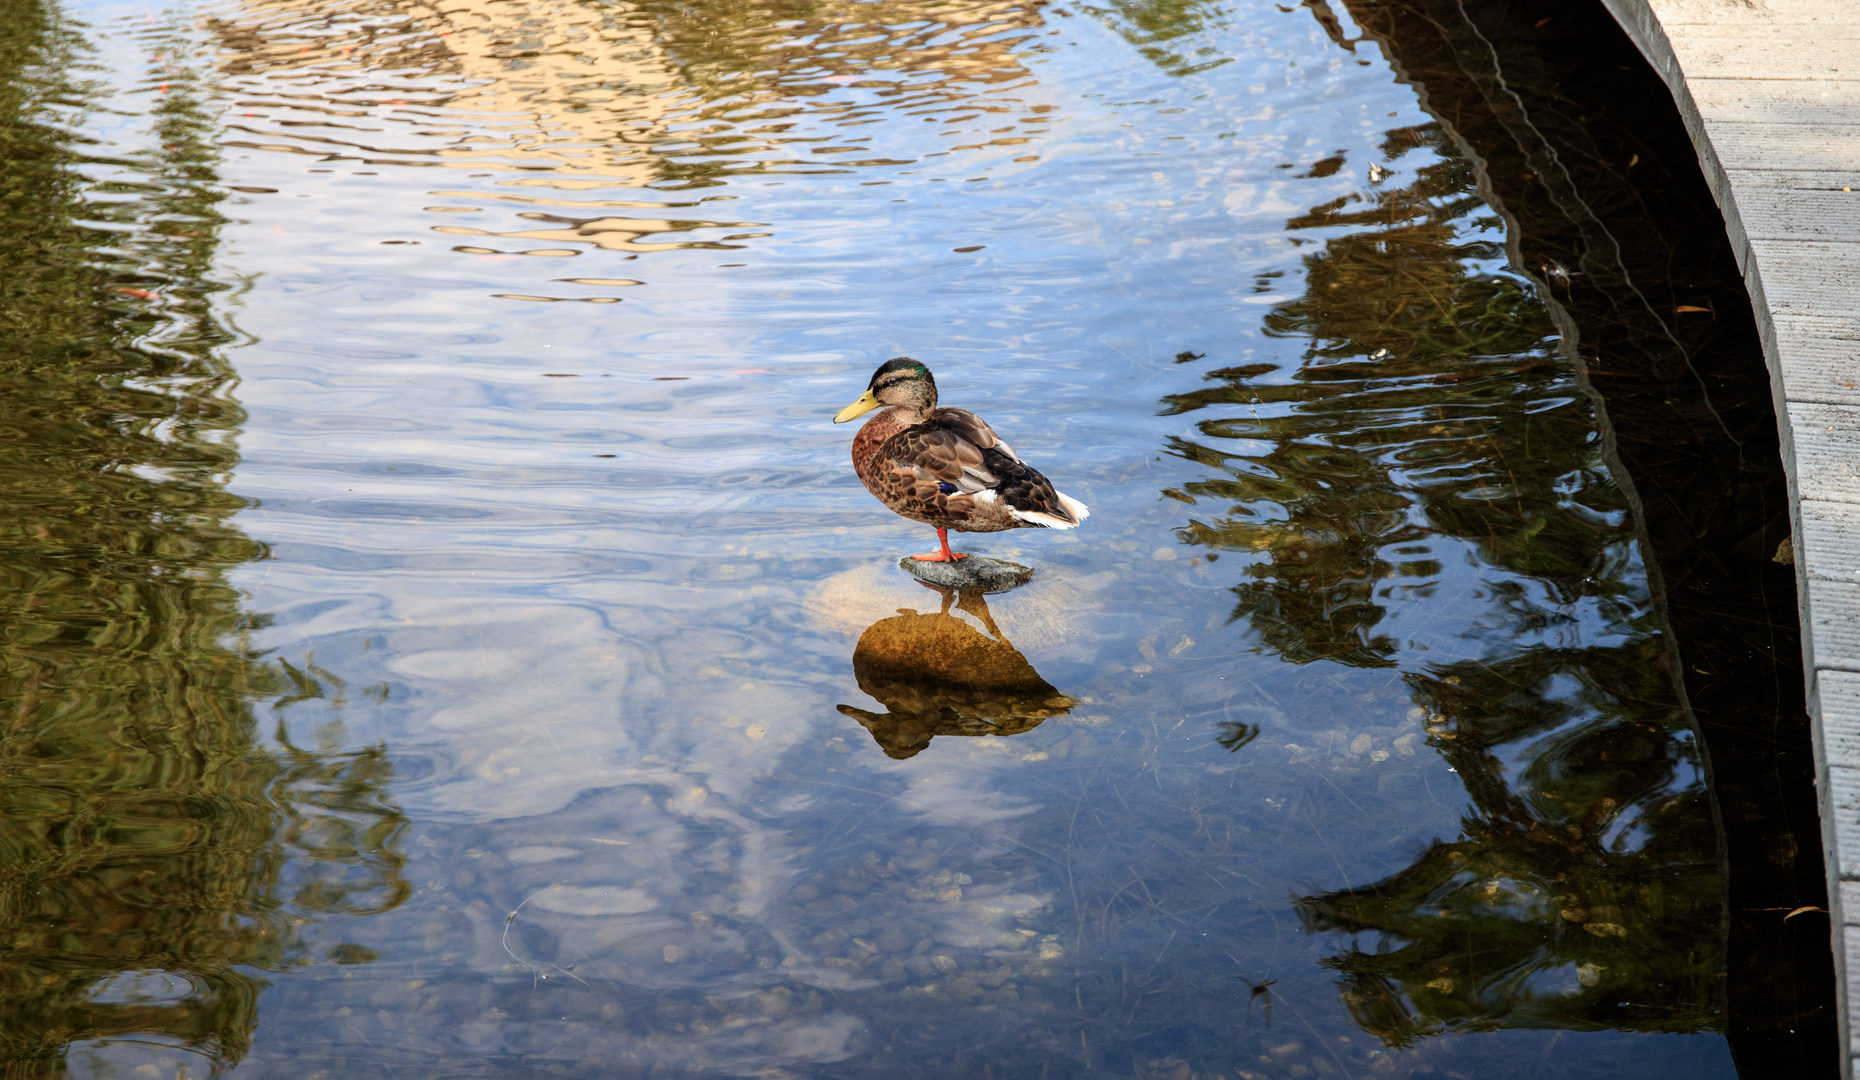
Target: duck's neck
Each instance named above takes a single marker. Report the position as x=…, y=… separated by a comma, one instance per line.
x=891, y=420
x=882, y=426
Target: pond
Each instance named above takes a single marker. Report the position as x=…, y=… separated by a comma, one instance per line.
x=445, y=635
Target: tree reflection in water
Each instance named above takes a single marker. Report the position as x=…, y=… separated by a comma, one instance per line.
x=1584, y=892
x=1161, y=30
x=155, y=851
x=1431, y=413
x=669, y=95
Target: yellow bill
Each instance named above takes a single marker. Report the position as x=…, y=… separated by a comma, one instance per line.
x=865, y=404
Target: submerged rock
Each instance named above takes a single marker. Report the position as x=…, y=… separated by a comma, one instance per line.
x=939, y=675
x=977, y=572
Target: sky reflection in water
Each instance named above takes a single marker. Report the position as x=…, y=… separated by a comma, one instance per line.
x=445, y=523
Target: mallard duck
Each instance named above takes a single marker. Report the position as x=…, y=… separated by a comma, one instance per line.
x=946, y=467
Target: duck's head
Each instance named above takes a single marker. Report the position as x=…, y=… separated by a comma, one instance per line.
x=902, y=383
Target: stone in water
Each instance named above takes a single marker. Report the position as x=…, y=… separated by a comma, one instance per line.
x=975, y=572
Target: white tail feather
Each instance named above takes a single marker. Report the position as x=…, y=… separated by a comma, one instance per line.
x=1053, y=521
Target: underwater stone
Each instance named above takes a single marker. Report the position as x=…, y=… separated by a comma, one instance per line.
x=974, y=572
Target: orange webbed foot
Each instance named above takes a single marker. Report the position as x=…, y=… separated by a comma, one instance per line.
x=940, y=556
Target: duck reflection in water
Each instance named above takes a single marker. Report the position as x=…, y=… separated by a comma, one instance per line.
x=939, y=675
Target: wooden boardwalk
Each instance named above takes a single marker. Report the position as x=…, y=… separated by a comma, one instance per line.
x=1770, y=91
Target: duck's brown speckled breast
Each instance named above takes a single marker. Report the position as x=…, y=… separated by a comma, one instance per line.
x=910, y=495
x=865, y=450
x=896, y=489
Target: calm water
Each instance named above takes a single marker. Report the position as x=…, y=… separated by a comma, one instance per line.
x=444, y=635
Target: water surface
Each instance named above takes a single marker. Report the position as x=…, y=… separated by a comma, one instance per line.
x=446, y=636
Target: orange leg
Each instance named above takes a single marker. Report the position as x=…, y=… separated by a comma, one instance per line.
x=946, y=555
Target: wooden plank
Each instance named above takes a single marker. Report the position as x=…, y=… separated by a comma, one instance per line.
x=1827, y=453
x=1844, y=794
x=1838, y=718
x=1828, y=548
x=1820, y=33
x=1821, y=353
x=1811, y=331
x=1813, y=210
x=1846, y=899
x=1839, y=692
x=1786, y=147
x=1834, y=628
x=1850, y=951
x=1807, y=277
x=1810, y=181
x=1686, y=15
x=1765, y=58
x=1827, y=563
x=1834, y=103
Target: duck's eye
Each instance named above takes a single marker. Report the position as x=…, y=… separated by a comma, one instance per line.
x=946, y=487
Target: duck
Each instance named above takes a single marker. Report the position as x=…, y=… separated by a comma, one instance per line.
x=946, y=467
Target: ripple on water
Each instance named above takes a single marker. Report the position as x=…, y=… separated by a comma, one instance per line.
x=523, y=684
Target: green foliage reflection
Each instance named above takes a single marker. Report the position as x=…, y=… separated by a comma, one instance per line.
x=150, y=838
x=1584, y=892
x=1429, y=403
x=1431, y=416
x=1158, y=29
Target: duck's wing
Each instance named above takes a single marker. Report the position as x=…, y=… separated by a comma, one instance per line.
x=950, y=447
x=957, y=453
